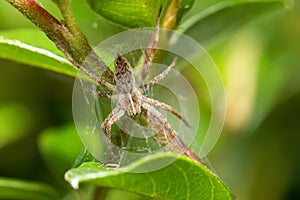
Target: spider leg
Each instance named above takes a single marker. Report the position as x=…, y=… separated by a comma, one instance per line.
x=105, y=84
x=164, y=128
x=167, y=108
x=114, y=116
x=102, y=94
x=150, y=51
x=159, y=120
x=170, y=134
x=160, y=76
x=96, y=78
x=98, y=93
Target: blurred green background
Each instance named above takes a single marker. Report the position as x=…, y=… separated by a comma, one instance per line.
x=258, y=154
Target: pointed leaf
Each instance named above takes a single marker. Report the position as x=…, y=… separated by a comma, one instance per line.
x=182, y=179
x=32, y=47
x=224, y=16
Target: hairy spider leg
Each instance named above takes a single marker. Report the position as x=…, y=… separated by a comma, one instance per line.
x=107, y=85
x=106, y=125
x=95, y=77
x=112, y=118
x=157, y=103
x=150, y=51
x=155, y=116
x=169, y=134
x=166, y=107
x=98, y=93
x=158, y=119
x=159, y=77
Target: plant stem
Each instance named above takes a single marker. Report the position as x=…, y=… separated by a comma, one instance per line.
x=66, y=35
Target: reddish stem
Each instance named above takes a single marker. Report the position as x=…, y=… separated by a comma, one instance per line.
x=38, y=15
x=65, y=34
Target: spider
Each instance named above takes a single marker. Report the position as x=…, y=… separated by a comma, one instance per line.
x=129, y=97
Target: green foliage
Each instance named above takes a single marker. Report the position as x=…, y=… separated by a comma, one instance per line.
x=15, y=121
x=68, y=147
x=60, y=146
x=183, y=179
x=139, y=13
x=18, y=189
x=206, y=24
x=33, y=48
x=128, y=13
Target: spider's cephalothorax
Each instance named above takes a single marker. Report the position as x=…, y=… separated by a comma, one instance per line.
x=123, y=75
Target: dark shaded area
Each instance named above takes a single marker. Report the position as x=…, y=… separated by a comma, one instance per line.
x=48, y=99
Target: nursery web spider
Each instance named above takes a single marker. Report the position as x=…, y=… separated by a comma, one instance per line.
x=130, y=99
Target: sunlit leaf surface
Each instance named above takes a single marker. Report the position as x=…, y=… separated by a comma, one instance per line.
x=140, y=13
x=183, y=179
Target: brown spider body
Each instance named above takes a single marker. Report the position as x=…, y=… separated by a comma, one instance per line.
x=126, y=86
x=123, y=75
x=129, y=96
x=131, y=101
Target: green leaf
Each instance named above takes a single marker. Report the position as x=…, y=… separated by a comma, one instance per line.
x=128, y=13
x=60, y=147
x=139, y=13
x=224, y=16
x=32, y=47
x=15, y=122
x=19, y=189
x=182, y=179
x=184, y=7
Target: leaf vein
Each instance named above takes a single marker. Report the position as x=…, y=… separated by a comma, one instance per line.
x=188, y=194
